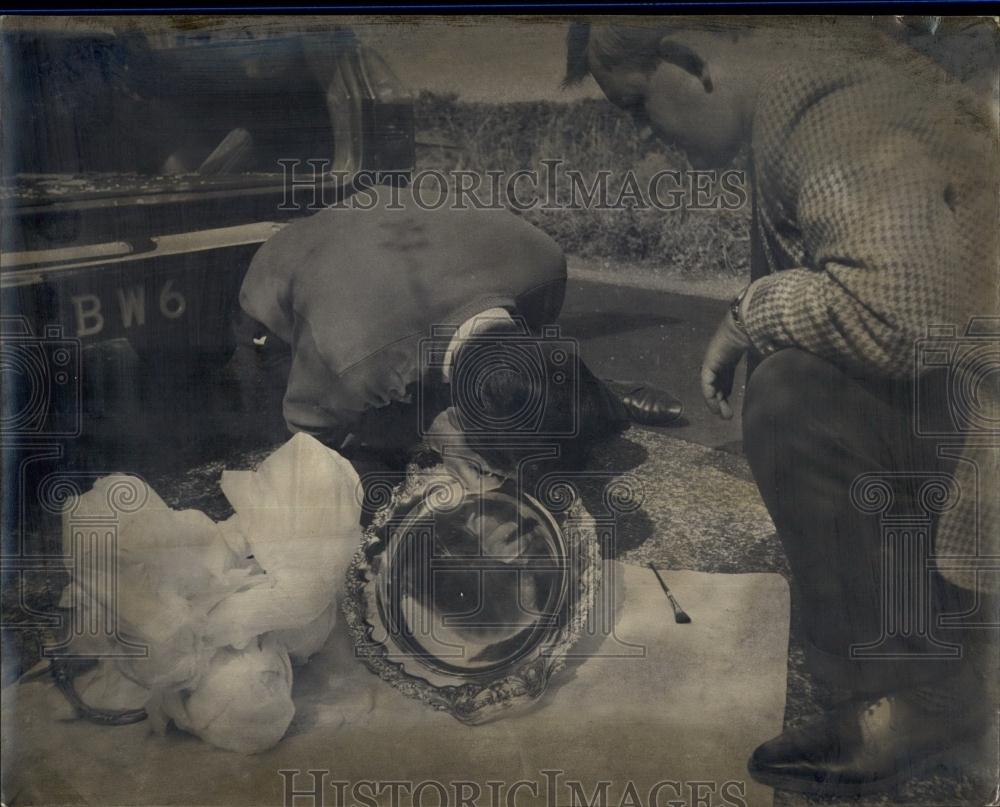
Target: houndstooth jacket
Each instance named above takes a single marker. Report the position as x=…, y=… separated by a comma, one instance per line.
x=876, y=188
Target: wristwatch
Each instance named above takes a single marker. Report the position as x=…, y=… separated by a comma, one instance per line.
x=734, y=309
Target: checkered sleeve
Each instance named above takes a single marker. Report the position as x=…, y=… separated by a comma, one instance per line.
x=881, y=253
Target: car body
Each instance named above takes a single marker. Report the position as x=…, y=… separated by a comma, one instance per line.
x=141, y=171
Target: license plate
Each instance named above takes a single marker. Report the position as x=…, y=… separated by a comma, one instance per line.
x=177, y=294
x=118, y=310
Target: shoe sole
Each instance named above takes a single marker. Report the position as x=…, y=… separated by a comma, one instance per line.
x=869, y=788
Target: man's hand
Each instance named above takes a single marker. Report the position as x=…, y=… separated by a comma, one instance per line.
x=468, y=467
x=718, y=368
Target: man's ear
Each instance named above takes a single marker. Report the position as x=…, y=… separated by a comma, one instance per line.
x=673, y=52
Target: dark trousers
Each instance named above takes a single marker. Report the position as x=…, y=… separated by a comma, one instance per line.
x=811, y=429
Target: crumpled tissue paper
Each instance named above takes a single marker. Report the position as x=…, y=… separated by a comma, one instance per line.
x=223, y=608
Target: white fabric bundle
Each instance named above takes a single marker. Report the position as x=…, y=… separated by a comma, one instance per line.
x=223, y=608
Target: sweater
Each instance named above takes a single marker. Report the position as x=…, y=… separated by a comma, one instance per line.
x=354, y=292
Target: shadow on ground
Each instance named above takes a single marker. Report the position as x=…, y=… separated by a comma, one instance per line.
x=677, y=504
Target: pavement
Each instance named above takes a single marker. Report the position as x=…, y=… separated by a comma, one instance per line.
x=705, y=513
x=630, y=332
x=701, y=510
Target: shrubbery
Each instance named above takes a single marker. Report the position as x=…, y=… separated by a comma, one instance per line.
x=589, y=136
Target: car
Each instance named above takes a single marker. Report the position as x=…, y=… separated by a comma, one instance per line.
x=142, y=170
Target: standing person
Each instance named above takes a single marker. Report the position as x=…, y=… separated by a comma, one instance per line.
x=875, y=217
x=348, y=305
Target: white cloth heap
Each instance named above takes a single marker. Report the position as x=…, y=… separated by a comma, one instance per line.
x=223, y=608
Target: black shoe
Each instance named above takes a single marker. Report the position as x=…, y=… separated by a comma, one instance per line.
x=645, y=405
x=862, y=748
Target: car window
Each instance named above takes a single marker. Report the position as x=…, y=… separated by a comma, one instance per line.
x=187, y=106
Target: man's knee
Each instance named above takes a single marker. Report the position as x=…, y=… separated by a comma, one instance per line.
x=787, y=387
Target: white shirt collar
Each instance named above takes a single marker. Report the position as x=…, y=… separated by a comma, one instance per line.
x=466, y=329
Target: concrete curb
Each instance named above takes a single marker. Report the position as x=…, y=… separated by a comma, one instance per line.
x=722, y=288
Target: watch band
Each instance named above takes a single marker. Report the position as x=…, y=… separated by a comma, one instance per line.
x=734, y=309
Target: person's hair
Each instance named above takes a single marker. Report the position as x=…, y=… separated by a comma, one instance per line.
x=640, y=47
x=502, y=391
x=643, y=46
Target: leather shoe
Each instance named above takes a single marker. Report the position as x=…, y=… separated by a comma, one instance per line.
x=646, y=405
x=861, y=748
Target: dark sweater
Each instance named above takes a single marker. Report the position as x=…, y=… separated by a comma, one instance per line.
x=353, y=292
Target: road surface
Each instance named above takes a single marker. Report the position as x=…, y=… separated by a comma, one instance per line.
x=654, y=336
x=135, y=422
x=701, y=508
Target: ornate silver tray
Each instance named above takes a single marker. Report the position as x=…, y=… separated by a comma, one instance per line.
x=470, y=603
